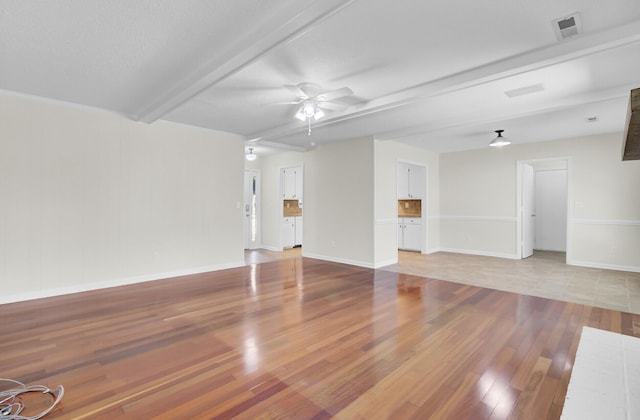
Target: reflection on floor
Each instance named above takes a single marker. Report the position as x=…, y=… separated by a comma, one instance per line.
x=545, y=274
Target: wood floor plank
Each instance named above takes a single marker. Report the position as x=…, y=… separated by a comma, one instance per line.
x=300, y=338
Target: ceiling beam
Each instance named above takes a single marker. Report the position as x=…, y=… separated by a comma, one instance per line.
x=281, y=28
x=567, y=50
x=558, y=105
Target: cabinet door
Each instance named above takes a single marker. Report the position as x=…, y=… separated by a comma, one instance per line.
x=298, y=230
x=400, y=227
x=402, y=178
x=299, y=183
x=412, y=235
x=288, y=229
x=289, y=183
x=283, y=187
x=417, y=181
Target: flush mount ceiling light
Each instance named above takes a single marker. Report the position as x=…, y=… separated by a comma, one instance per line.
x=251, y=156
x=500, y=141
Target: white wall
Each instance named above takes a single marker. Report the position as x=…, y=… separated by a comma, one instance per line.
x=551, y=209
x=90, y=199
x=387, y=155
x=478, y=200
x=339, y=202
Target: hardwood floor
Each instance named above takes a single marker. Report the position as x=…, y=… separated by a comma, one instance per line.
x=300, y=338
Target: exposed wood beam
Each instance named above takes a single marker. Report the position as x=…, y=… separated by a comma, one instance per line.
x=558, y=53
x=276, y=31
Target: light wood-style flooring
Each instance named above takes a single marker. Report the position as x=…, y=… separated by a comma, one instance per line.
x=299, y=338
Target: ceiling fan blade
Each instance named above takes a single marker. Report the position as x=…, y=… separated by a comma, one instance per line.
x=335, y=94
x=289, y=103
x=297, y=91
x=332, y=106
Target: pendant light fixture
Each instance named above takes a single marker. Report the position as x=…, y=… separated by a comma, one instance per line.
x=500, y=141
x=251, y=156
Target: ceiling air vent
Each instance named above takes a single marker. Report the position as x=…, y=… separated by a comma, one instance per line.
x=567, y=26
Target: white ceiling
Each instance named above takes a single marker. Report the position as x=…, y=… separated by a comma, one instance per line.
x=431, y=74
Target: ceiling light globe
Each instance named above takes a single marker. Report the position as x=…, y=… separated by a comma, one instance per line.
x=499, y=141
x=251, y=156
x=309, y=109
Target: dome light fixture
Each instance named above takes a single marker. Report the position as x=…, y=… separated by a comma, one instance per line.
x=251, y=156
x=500, y=141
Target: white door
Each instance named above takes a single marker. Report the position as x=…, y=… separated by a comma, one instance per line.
x=528, y=210
x=250, y=208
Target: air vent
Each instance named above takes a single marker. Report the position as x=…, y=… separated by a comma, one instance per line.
x=526, y=90
x=567, y=26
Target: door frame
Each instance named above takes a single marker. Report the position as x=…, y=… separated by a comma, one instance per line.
x=247, y=232
x=424, y=240
x=280, y=200
x=519, y=181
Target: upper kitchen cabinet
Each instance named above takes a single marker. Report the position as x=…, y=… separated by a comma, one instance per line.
x=411, y=180
x=291, y=182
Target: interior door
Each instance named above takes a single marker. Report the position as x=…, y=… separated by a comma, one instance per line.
x=250, y=208
x=528, y=210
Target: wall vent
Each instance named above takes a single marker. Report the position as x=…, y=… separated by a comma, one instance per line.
x=567, y=26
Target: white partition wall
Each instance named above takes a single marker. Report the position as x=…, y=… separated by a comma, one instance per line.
x=91, y=199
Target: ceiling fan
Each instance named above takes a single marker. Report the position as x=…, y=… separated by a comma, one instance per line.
x=313, y=101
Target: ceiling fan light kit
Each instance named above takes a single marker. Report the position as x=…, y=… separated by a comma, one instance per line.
x=311, y=102
x=500, y=141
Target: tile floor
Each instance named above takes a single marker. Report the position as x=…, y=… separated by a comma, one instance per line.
x=545, y=274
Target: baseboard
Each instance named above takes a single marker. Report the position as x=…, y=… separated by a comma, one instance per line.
x=270, y=248
x=590, y=264
x=385, y=263
x=481, y=253
x=338, y=260
x=432, y=251
x=40, y=294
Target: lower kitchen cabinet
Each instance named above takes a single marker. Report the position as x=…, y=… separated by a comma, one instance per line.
x=291, y=231
x=410, y=233
x=288, y=232
x=298, y=230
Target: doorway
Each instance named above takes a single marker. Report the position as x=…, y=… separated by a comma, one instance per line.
x=543, y=210
x=251, y=225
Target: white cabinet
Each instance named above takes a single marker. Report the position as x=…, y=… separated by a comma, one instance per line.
x=291, y=182
x=410, y=233
x=298, y=230
x=411, y=180
x=288, y=232
x=291, y=230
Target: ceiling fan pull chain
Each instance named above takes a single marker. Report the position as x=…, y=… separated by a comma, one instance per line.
x=309, y=132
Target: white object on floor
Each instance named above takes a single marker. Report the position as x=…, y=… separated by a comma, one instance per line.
x=605, y=382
